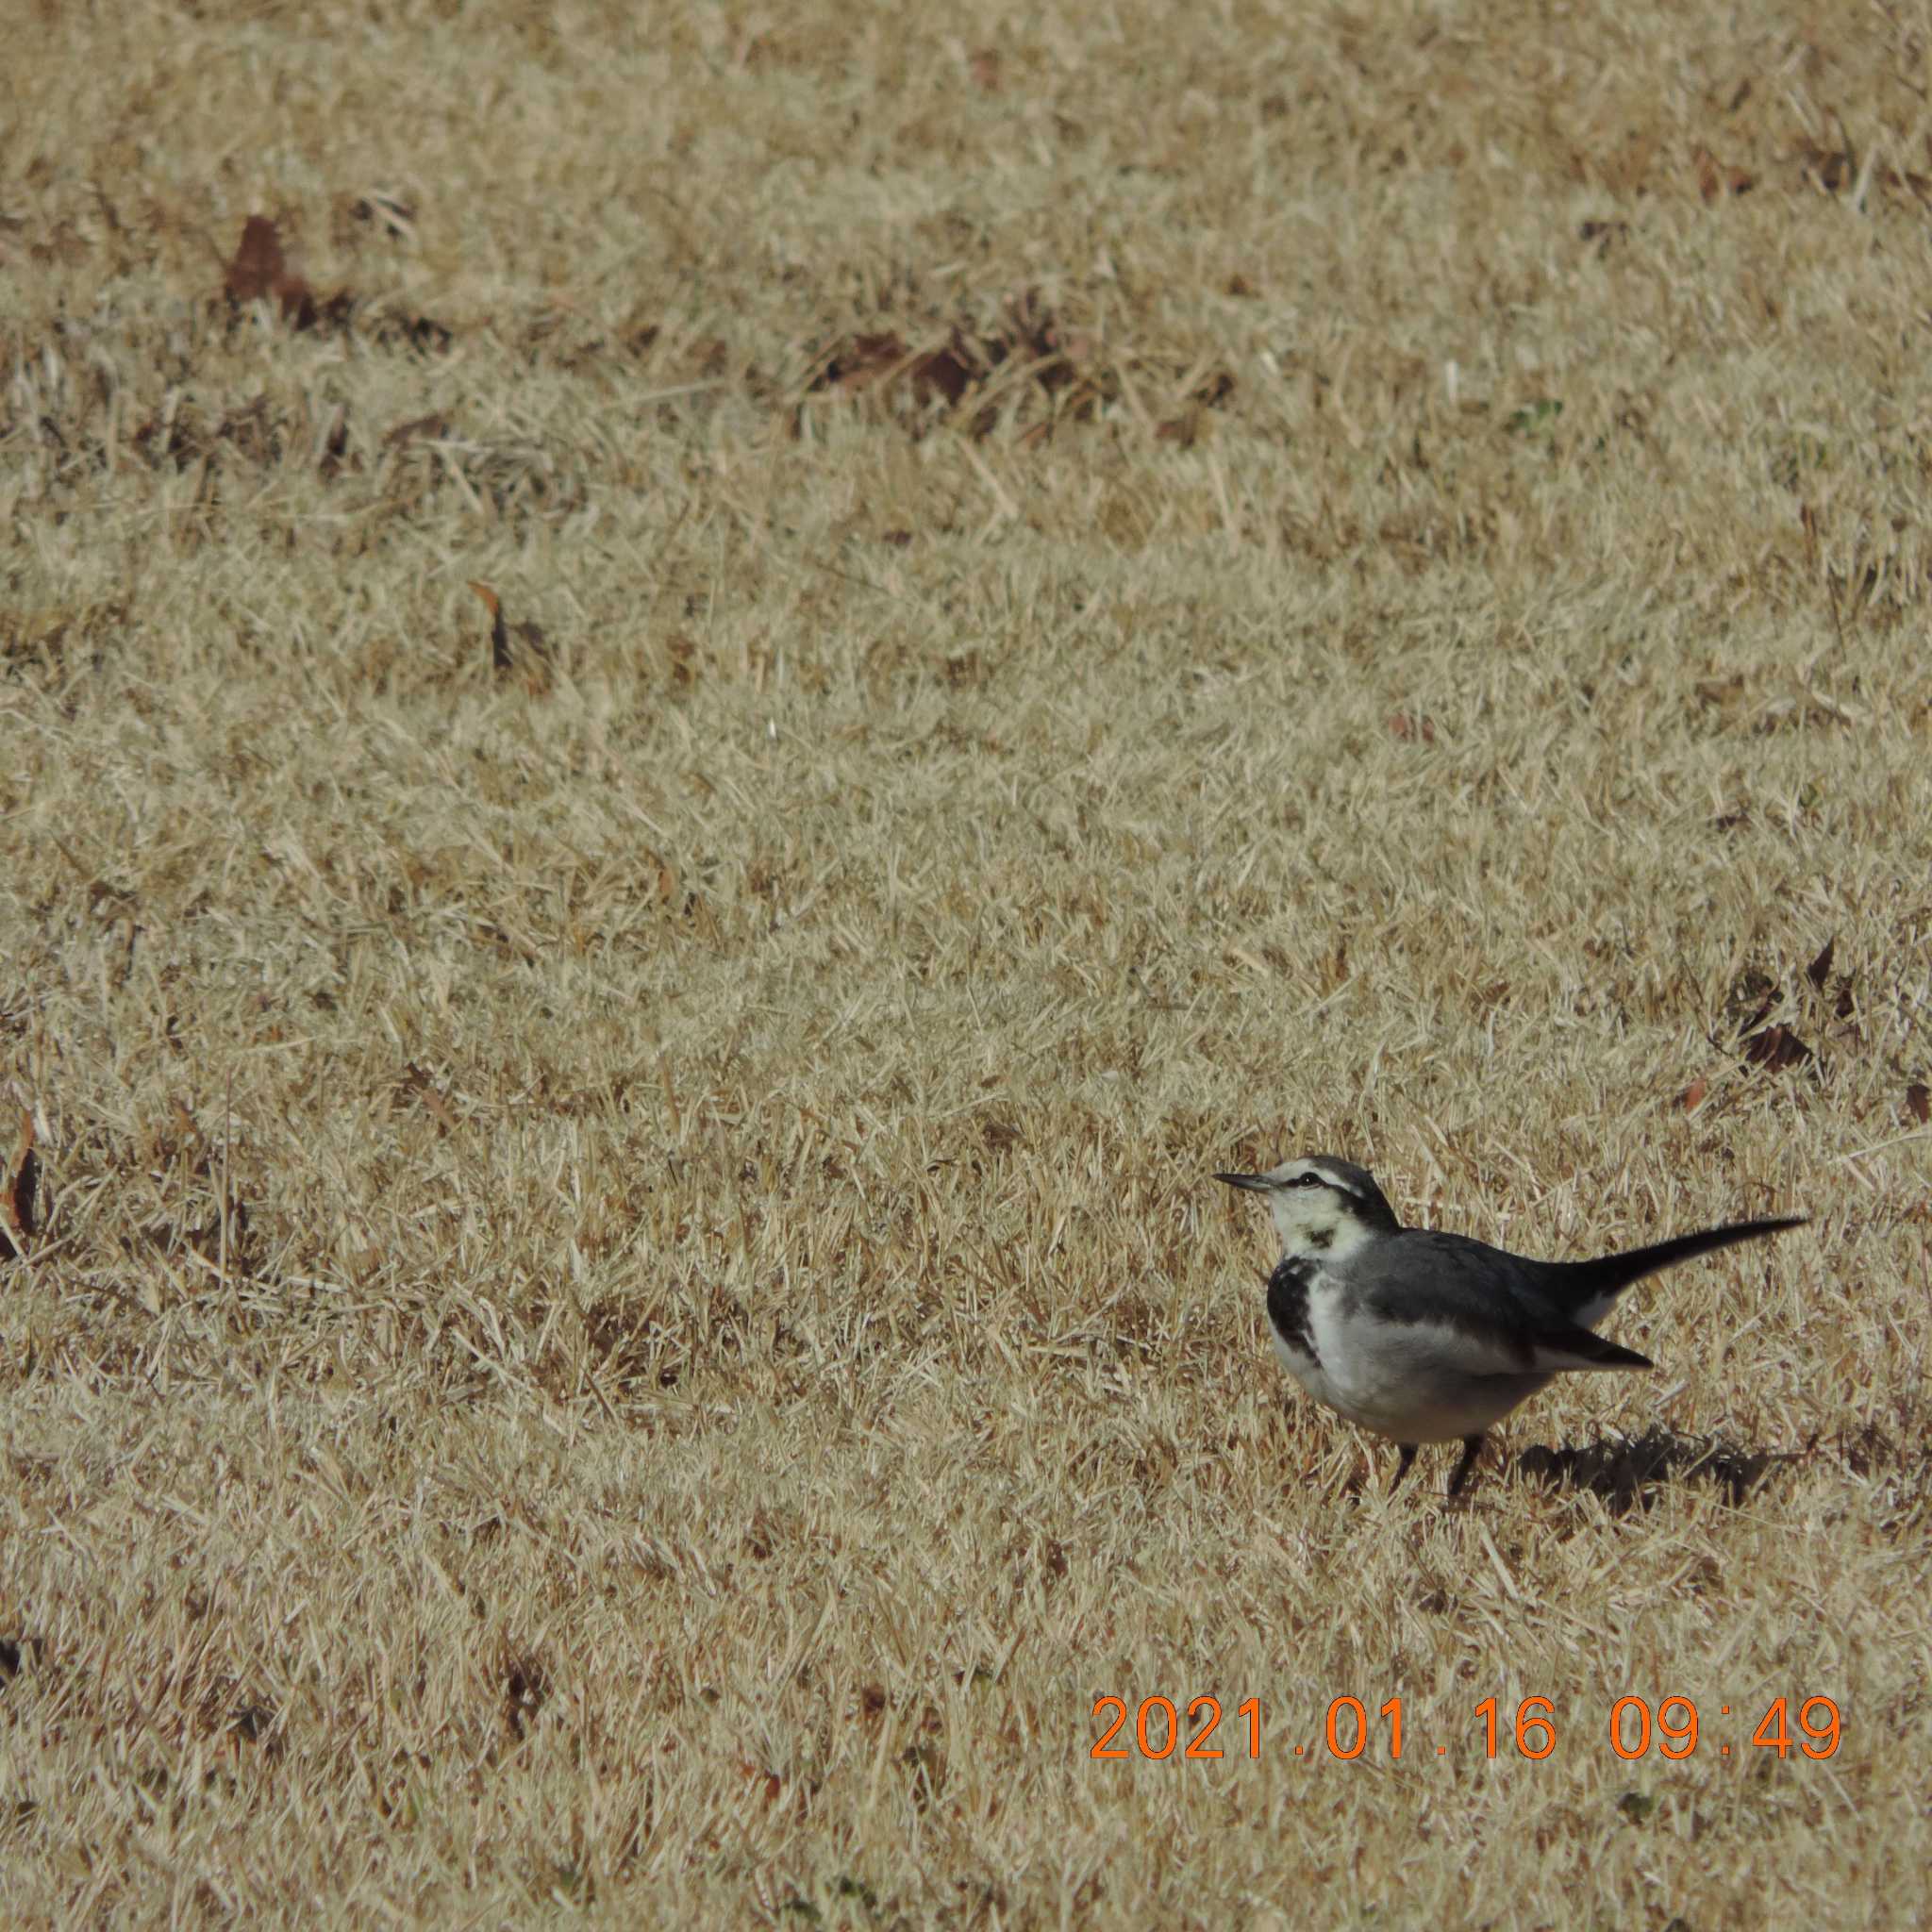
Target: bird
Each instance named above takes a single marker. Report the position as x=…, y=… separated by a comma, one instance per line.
x=1422, y=1336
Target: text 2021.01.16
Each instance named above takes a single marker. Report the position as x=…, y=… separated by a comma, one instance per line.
x=1635, y=1728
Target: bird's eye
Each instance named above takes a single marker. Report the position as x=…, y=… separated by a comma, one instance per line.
x=1307, y=1180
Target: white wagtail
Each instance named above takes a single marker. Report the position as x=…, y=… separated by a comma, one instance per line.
x=1426, y=1337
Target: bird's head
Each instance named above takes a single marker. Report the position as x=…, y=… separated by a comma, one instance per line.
x=1323, y=1208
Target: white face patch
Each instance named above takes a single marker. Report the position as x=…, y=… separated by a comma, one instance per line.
x=1320, y=1221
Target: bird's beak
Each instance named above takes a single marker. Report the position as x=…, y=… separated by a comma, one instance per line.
x=1256, y=1183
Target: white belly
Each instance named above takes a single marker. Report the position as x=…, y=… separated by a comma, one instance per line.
x=1403, y=1381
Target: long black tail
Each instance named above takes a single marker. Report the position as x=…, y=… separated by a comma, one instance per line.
x=1583, y=1282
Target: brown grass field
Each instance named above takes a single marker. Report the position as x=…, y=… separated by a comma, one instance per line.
x=611, y=1306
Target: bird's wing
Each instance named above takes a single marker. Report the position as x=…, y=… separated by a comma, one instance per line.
x=1481, y=1308
x=1578, y=1348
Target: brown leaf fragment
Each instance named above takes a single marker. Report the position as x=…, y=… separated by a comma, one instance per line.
x=260, y=272
x=1776, y=1048
x=1820, y=969
x=257, y=269
x=682, y=654
x=862, y=362
x=17, y=1193
x=336, y=312
x=943, y=372
x=1692, y=1096
x=419, y=1086
x=520, y=647
x=985, y=65
x=1919, y=1102
x=421, y=332
x=434, y=427
x=1833, y=169
x=1714, y=178
x=1026, y=349
x=884, y=363
x=1413, y=727
x=499, y=631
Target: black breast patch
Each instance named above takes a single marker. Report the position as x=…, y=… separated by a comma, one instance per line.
x=1288, y=1306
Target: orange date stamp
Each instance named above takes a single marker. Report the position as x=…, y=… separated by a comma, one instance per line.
x=1632, y=1728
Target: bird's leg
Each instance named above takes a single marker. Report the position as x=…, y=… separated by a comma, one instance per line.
x=1472, y=1448
x=1402, y=1467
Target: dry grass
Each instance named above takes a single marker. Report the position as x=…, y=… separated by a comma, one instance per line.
x=624, y=1316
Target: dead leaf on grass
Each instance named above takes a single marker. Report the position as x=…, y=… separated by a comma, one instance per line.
x=1715, y=179
x=1832, y=169
x=260, y=272
x=515, y=647
x=17, y=1193
x=185, y=1125
x=432, y=428
x=1776, y=1048
x=869, y=361
x=943, y=372
x=1027, y=349
x=1919, y=1102
x=1820, y=969
x=1819, y=974
x=418, y=1085
x=861, y=362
